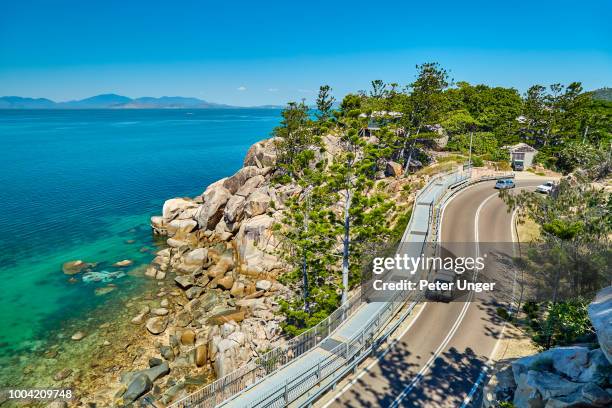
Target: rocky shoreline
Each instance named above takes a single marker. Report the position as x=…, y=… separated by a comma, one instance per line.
x=210, y=299
x=222, y=260
x=208, y=302
x=217, y=303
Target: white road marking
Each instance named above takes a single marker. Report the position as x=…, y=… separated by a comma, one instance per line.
x=448, y=337
x=447, y=203
x=431, y=360
x=457, y=322
x=376, y=361
x=476, y=221
x=485, y=369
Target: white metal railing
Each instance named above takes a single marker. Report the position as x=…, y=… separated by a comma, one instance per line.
x=225, y=387
x=249, y=375
x=311, y=383
x=347, y=355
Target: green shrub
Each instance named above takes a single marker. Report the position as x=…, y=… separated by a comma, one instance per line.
x=503, y=313
x=482, y=143
x=477, y=161
x=323, y=301
x=497, y=155
x=559, y=324
x=530, y=308
x=578, y=155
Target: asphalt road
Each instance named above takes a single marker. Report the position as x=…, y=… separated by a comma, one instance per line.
x=437, y=362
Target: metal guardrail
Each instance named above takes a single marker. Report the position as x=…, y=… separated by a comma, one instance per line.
x=347, y=355
x=340, y=360
x=249, y=375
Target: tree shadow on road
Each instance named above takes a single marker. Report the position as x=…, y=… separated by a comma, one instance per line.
x=384, y=380
x=449, y=374
x=449, y=379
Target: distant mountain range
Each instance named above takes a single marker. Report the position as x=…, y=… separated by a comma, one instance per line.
x=113, y=101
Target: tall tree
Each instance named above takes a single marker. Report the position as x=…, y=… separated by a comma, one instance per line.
x=295, y=139
x=555, y=115
x=426, y=103
x=308, y=245
x=363, y=219
x=534, y=111
x=325, y=102
x=378, y=89
x=494, y=109
x=345, y=183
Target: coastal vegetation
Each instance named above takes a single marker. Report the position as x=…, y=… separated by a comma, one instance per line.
x=344, y=212
x=263, y=255
x=569, y=259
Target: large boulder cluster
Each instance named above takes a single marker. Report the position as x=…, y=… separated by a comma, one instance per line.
x=220, y=312
x=211, y=319
x=240, y=209
x=222, y=259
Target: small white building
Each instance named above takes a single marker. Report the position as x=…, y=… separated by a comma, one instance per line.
x=521, y=156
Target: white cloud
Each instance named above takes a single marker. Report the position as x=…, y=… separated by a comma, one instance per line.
x=241, y=88
x=272, y=89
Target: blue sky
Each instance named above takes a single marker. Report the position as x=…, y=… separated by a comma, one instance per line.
x=269, y=52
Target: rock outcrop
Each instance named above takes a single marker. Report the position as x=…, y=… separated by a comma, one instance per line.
x=222, y=256
x=393, y=169
x=222, y=261
x=573, y=376
x=600, y=313
x=262, y=154
x=75, y=267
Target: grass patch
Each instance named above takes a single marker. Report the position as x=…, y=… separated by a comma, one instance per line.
x=503, y=166
x=528, y=230
x=456, y=158
x=436, y=168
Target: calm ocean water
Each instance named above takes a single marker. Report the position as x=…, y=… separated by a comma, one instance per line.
x=83, y=184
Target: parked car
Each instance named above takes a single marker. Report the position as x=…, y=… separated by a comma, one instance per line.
x=518, y=165
x=504, y=184
x=546, y=188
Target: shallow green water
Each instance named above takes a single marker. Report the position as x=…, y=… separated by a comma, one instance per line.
x=82, y=185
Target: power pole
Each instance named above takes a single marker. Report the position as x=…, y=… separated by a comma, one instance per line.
x=304, y=259
x=470, y=157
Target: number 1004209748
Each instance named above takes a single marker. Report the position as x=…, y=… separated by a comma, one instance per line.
x=37, y=394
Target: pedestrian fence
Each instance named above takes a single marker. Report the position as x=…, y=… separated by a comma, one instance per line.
x=346, y=355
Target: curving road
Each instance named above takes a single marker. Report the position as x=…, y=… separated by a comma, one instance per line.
x=438, y=360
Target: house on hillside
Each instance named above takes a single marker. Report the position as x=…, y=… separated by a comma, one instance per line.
x=521, y=156
x=376, y=120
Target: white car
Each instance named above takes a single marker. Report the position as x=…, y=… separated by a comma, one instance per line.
x=545, y=188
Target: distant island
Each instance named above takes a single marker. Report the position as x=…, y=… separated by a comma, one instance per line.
x=114, y=101
x=603, y=94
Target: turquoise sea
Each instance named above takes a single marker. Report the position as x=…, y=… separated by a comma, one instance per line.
x=83, y=184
